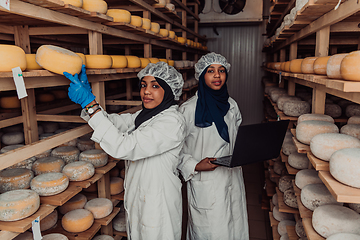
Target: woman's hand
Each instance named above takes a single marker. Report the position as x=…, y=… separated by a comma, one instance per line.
x=206, y=165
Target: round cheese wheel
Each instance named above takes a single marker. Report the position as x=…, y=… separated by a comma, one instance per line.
x=305, y=177
x=49, y=184
x=136, y=21
x=290, y=198
x=351, y=130
x=296, y=108
x=354, y=120
x=342, y=236
x=277, y=66
x=103, y=237
x=325, y=144
x=55, y=236
x=75, y=3
x=96, y=157
x=50, y=127
x=333, y=65
x=171, y=62
x=320, y=65
x=98, y=61
x=330, y=219
x=48, y=164
x=83, y=58
x=78, y=220
x=95, y=6
x=163, y=60
x=155, y=27
x=285, y=182
x=85, y=143
x=67, y=153
x=119, y=15
x=171, y=34
x=295, y=65
x=276, y=93
x=24, y=236
x=344, y=166
x=279, y=167
x=307, y=65
x=288, y=148
x=352, y=110
x=298, y=160
x=146, y=23
x=333, y=110
x=49, y=221
x=299, y=229
x=119, y=61
x=116, y=185
x=79, y=170
x=182, y=40
x=154, y=60
x=99, y=207
x=164, y=32
x=10, y=102
x=349, y=67
x=287, y=66
x=282, y=99
x=15, y=178
x=133, y=62
x=58, y=60
x=144, y=62
x=12, y=138
x=315, y=195
x=76, y=202
x=306, y=130
x=119, y=222
x=18, y=204
x=275, y=200
x=282, y=226
x=315, y=116
x=45, y=97
x=11, y=57
x=31, y=63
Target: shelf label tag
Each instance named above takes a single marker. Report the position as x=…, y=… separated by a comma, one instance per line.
x=19, y=82
x=36, y=229
x=279, y=77
x=5, y=4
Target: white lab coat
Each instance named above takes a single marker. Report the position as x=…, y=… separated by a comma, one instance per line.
x=152, y=198
x=216, y=199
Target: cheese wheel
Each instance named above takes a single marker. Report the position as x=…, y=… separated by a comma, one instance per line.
x=352, y=110
x=146, y=23
x=282, y=226
x=78, y=220
x=155, y=27
x=290, y=198
x=99, y=207
x=170, y=6
x=58, y=60
x=49, y=221
x=49, y=184
x=306, y=130
x=15, y=178
x=333, y=110
x=24, y=236
x=11, y=57
x=119, y=61
x=10, y=102
x=98, y=61
x=287, y=66
x=285, y=182
x=164, y=32
x=295, y=65
x=163, y=60
x=315, y=116
x=45, y=97
x=154, y=60
x=315, y=195
x=171, y=34
x=325, y=144
x=96, y=157
x=31, y=63
x=116, y=185
x=182, y=40
x=298, y=160
x=133, y=62
x=296, y=108
x=279, y=167
x=276, y=93
x=281, y=216
x=275, y=200
x=331, y=219
x=103, y=237
x=48, y=164
x=284, y=98
x=67, y=153
x=18, y=204
x=351, y=130
x=119, y=15
x=320, y=65
x=50, y=127
x=79, y=170
x=277, y=66
x=299, y=228
x=85, y=143
x=305, y=177
x=119, y=222
x=136, y=21
x=83, y=58
x=95, y=6
x=144, y=62
x=75, y=3
x=349, y=67
x=333, y=65
x=55, y=236
x=76, y=202
x=288, y=148
x=12, y=138
x=342, y=236
x=354, y=120
x=171, y=62
x=307, y=65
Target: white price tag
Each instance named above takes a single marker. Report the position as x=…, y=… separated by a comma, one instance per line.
x=36, y=229
x=19, y=82
x=279, y=77
x=5, y=4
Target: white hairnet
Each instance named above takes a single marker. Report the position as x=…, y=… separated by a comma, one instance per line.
x=167, y=73
x=207, y=60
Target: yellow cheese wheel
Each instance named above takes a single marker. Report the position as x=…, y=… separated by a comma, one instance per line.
x=295, y=65
x=82, y=58
x=146, y=24
x=163, y=60
x=277, y=66
x=320, y=65
x=307, y=65
x=31, y=63
x=144, y=62
x=67, y=153
x=15, y=178
x=75, y=3
x=171, y=34
x=164, y=32
x=79, y=170
x=98, y=61
x=48, y=164
x=95, y=6
x=18, y=204
x=119, y=15
x=58, y=60
x=99, y=207
x=154, y=60
x=49, y=221
x=48, y=184
x=333, y=65
x=116, y=185
x=78, y=220
x=136, y=21
x=282, y=66
x=155, y=27
x=76, y=202
x=119, y=61
x=133, y=62
x=11, y=57
x=96, y=157
x=10, y=102
x=350, y=67
x=171, y=62
x=45, y=97
x=182, y=40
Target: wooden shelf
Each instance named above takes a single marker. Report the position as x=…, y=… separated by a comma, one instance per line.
x=283, y=157
x=292, y=233
x=310, y=231
x=273, y=221
x=123, y=234
x=61, y=198
x=107, y=220
x=304, y=212
x=318, y=164
x=276, y=235
x=103, y=170
x=282, y=206
x=290, y=169
x=301, y=148
x=119, y=196
x=88, y=182
x=296, y=189
x=281, y=114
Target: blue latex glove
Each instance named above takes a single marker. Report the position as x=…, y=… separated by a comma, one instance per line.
x=78, y=92
x=83, y=78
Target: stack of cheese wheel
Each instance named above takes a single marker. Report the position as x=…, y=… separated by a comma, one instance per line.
x=116, y=185
x=349, y=67
x=31, y=63
x=68, y=154
x=58, y=60
x=15, y=178
x=99, y=207
x=295, y=65
x=27, y=163
x=49, y=221
x=76, y=202
x=11, y=57
x=333, y=65
x=95, y=6
x=136, y=21
x=10, y=102
x=78, y=220
x=307, y=65
x=48, y=184
x=315, y=195
x=351, y=130
x=48, y=164
x=155, y=27
x=144, y=62
x=119, y=15
x=79, y=170
x=85, y=143
x=98, y=61
x=18, y=204
x=305, y=177
x=119, y=61
x=320, y=65
x=133, y=62
x=306, y=130
x=146, y=23
x=96, y=157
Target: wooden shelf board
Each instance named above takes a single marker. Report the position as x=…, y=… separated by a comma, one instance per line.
x=273, y=174
x=290, y=169
x=310, y=231
x=281, y=114
x=318, y=164
x=21, y=226
x=107, y=220
x=119, y=196
x=301, y=148
x=304, y=212
x=110, y=165
x=61, y=198
x=293, y=132
x=8, y=235
x=341, y=192
x=273, y=221
x=123, y=234
x=284, y=158
x=296, y=189
x=276, y=235
x=134, y=29
x=88, y=182
x=282, y=206
x=292, y=233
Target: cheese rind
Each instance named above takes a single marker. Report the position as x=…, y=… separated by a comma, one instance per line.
x=144, y=62
x=48, y=164
x=10, y=102
x=49, y=221
x=155, y=27
x=133, y=62
x=67, y=153
x=146, y=23
x=12, y=138
x=305, y=177
x=307, y=65
x=95, y=6
x=296, y=108
x=333, y=65
x=342, y=236
x=315, y=116
x=49, y=184
x=119, y=61
x=119, y=15
x=119, y=222
x=11, y=57
x=31, y=63
x=116, y=185
x=320, y=65
x=298, y=160
x=15, y=178
x=349, y=67
x=98, y=61
x=55, y=236
x=79, y=170
x=351, y=130
x=99, y=207
x=96, y=157
x=136, y=21
x=76, y=202
x=306, y=130
x=78, y=220
x=315, y=195
x=295, y=65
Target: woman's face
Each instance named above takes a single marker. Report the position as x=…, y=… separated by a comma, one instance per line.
x=215, y=76
x=151, y=92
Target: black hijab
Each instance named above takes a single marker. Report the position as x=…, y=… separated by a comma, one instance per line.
x=167, y=102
